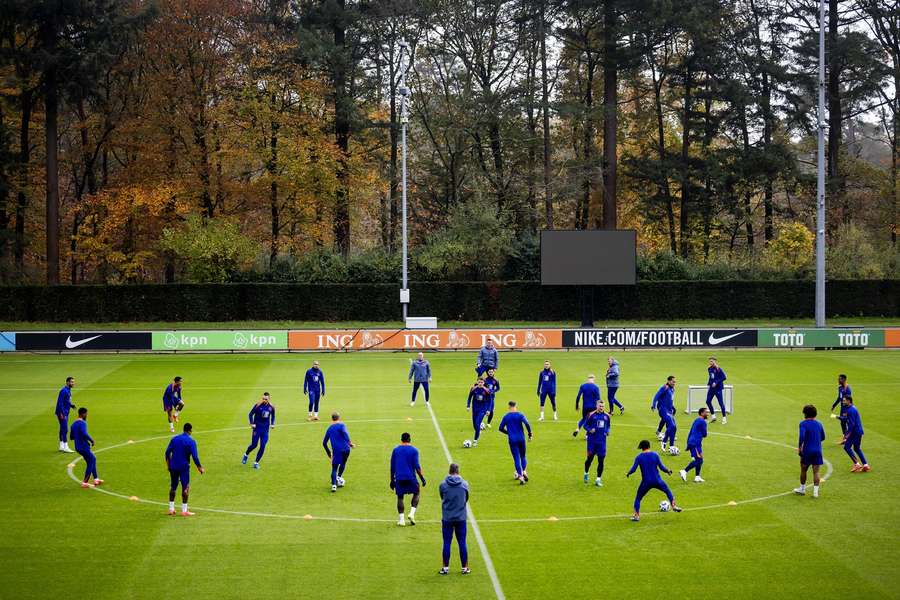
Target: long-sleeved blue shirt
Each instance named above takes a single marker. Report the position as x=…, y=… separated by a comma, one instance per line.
x=716, y=377
x=181, y=449
x=339, y=437
x=171, y=397
x=843, y=390
x=404, y=463
x=493, y=385
x=664, y=400
x=612, y=375
x=854, y=422
x=697, y=433
x=420, y=370
x=546, y=381
x=314, y=381
x=590, y=392
x=80, y=436
x=650, y=465
x=597, y=427
x=812, y=434
x=64, y=402
x=478, y=394
x=488, y=357
x=262, y=415
x=514, y=425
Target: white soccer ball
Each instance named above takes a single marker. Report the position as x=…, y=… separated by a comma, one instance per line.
x=467, y=444
x=664, y=506
x=674, y=451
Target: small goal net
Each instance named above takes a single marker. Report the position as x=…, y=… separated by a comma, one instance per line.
x=697, y=398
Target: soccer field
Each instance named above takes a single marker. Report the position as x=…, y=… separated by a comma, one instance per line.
x=742, y=534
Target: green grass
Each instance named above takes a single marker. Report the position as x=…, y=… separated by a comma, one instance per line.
x=141, y=325
x=61, y=540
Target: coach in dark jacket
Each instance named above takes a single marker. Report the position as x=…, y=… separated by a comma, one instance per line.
x=454, y=496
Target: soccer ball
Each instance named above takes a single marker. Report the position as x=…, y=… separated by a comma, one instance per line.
x=664, y=506
x=674, y=451
x=467, y=444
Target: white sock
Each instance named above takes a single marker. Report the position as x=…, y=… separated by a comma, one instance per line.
x=542, y=414
x=412, y=512
x=815, y=490
x=401, y=520
x=315, y=414
x=802, y=487
x=184, y=507
x=171, y=505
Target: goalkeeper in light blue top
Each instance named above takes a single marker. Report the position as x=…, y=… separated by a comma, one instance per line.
x=262, y=418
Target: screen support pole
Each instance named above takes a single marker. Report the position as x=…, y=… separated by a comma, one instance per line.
x=587, y=306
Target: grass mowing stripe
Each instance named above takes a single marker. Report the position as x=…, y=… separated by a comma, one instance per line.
x=498, y=590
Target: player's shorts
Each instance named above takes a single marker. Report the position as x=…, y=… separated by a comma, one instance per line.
x=597, y=448
x=811, y=458
x=696, y=451
x=406, y=487
x=183, y=476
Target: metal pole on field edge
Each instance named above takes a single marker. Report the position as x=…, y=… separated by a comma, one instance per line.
x=820, y=187
x=404, y=120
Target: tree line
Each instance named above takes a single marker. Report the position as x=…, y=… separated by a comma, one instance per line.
x=200, y=139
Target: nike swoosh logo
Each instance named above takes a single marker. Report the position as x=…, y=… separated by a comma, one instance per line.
x=70, y=344
x=713, y=340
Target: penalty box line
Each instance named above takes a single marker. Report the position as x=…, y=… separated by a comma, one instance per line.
x=489, y=564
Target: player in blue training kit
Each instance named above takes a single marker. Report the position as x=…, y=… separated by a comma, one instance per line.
x=843, y=390
x=63, y=407
x=419, y=375
x=715, y=388
x=404, y=468
x=339, y=454
x=853, y=437
x=664, y=404
x=612, y=385
x=179, y=453
x=590, y=394
x=172, y=402
x=488, y=358
x=695, y=446
x=314, y=388
x=650, y=465
x=479, y=402
x=514, y=425
x=491, y=383
x=262, y=418
x=546, y=387
x=596, y=425
x=812, y=434
x=83, y=443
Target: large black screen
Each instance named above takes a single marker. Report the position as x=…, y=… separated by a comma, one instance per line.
x=588, y=257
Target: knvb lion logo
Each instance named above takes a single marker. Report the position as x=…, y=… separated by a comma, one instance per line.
x=534, y=340
x=457, y=340
x=370, y=340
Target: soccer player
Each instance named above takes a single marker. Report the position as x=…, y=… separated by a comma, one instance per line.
x=63, y=407
x=172, y=402
x=591, y=395
x=546, y=387
x=454, y=491
x=83, y=443
x=853, y=437
x=492, y=384
x=179, y=453
x=404, y=468
x=843, y=390
x=650, y=465
x=314, y=387
x=612, y=385
x=715, y=388
x=479, y=402
x=810, y=449
x=340, y=449
x=488, y=358
x=664, y=404
x=695, y=445
x=514, y=425
x=419, y=375
x=597, y=428
x=262, y=418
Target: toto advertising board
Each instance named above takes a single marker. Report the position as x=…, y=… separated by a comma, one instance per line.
x=220, y=340
x=82, y=340
x=424, y=339
x=658, y=338
x=821, y=338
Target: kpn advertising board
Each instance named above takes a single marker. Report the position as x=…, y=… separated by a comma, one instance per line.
x=220, y=340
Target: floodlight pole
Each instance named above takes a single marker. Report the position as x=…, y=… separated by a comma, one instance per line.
x=820, y=187
x=404, y=121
